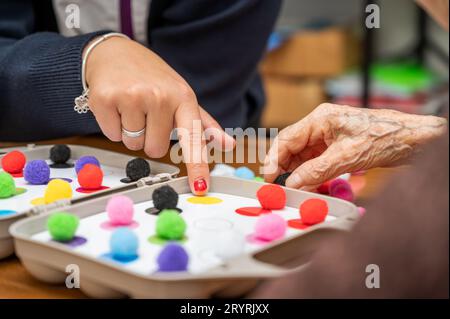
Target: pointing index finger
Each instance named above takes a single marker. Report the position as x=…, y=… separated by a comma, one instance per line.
x=193, y=145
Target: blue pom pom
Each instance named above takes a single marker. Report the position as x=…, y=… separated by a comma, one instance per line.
x=124, y=244
x=85, y=160
x=37, y=172
x=244, y=173
x=173, y=257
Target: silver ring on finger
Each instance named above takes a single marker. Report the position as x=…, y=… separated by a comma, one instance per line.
x=133, y=134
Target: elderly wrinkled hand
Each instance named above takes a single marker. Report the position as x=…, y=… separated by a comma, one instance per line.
x=336, y=139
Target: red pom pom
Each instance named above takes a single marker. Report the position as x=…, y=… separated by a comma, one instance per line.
x=90, y=177
x=13, y=162
x=313, y=211
x=271, y=196
x=324, y=188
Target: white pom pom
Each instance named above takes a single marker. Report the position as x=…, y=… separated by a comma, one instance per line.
x=229, y=244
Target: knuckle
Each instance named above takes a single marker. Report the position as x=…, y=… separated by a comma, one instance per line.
x=156, y=151
x=133, y=145
x=196, y=166
x=103, y=97
x=322, y=111
x=185, y=92
x=315, y=169
x=158, y=96
x=324, y=106
x=286, y=132
x=113, y=135
x=134, y=94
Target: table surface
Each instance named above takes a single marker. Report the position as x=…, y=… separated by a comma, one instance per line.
x=16, y=282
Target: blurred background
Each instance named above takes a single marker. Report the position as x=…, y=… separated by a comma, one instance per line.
x=321, y=51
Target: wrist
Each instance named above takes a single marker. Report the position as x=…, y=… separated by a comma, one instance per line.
x=93, y=53
x=423, y=129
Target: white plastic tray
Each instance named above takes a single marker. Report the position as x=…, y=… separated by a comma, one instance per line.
x=101, y=277
x=113, y=165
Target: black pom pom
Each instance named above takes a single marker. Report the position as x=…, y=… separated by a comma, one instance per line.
x=60, y=154
x=281, y=179
x=137, y=168
x=165, y=197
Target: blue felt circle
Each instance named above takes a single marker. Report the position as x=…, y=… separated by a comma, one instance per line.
x=7, y=212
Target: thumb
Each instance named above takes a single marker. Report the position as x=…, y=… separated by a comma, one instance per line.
x=315, y=171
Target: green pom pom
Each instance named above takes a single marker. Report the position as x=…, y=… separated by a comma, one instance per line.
x=7, y=185
x=170, y=225
x=62, y=226
x=258, y=179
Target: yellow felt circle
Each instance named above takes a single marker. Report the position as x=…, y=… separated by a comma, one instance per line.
x=205, y=200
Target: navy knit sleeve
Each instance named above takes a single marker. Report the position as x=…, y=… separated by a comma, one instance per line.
x=40, y=75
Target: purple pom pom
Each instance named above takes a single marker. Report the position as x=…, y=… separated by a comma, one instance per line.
x=37, y=172
x=85, y=160
x=173, y=257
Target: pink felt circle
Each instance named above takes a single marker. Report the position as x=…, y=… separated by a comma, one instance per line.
x=270, y=227
x=110, y=226
x=120, y=210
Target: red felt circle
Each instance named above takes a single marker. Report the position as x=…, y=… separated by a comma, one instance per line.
x=271, y=196
x=297, y=224
x=14, y=162
x=90, y=177
x=324, y=188
x=252, y=211
x=313, y=211
x=90, y=191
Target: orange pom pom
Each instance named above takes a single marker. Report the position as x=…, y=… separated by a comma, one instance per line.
x=313, y=211
x=271, y=196
x=90, y=177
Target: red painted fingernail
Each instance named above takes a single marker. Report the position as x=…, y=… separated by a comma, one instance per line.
x=200, y=185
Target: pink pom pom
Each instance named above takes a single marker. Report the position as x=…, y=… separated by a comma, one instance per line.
x=270, y=227
x=120, y=210
x=342, y=189
x=361, y=211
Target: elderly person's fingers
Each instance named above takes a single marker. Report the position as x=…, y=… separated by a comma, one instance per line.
x=285, y=147
x=316, y=171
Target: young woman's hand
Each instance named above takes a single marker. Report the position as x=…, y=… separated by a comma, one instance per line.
x=130, y=87
x=336, y=139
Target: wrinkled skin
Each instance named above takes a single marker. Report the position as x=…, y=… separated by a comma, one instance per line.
x=336, y=139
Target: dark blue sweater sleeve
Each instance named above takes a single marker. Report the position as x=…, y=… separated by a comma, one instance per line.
x=40, y=75
x=216, y=46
